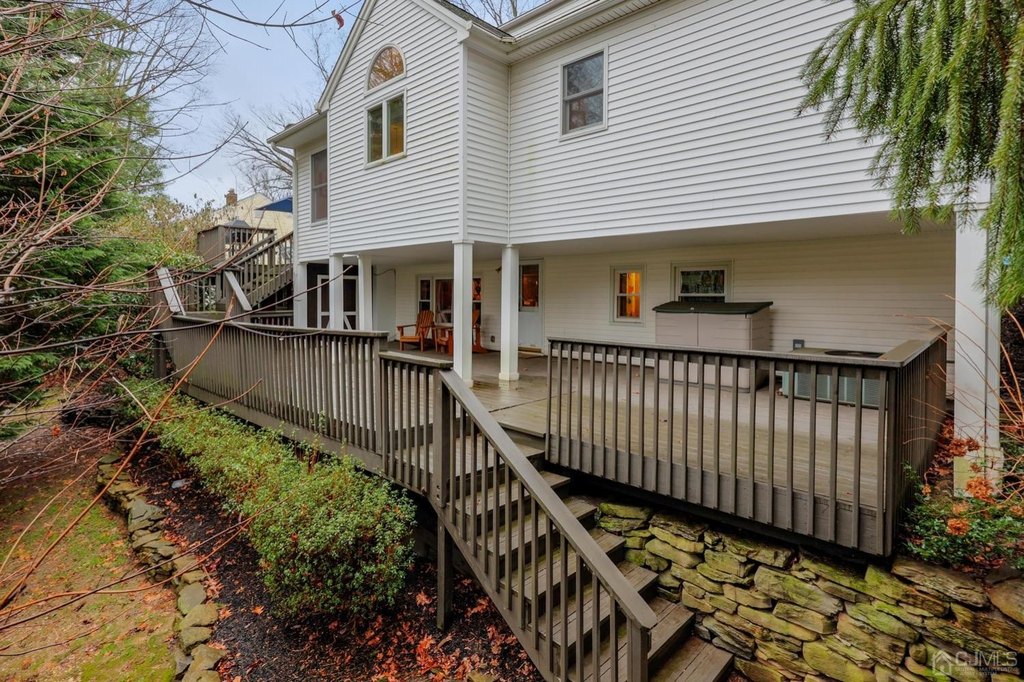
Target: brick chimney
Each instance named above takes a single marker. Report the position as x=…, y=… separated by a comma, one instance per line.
x=231, y=198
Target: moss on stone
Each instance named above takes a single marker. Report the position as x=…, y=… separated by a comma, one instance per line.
x=788, y=588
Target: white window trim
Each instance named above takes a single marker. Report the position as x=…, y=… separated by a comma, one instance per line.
x=382, y=102
x=564, y=134
x=615, y=319
x=700, y=265
x=391, y=81
x=327, y=185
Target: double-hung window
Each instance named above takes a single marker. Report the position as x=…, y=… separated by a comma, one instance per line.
x=627, y=284
x=385, y=129
x=318, y=186
x=583, y=93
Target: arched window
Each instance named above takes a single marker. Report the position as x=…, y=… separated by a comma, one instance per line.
x=387, y=64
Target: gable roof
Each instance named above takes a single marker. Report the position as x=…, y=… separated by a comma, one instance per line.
x=454, y=16
x=469, y=16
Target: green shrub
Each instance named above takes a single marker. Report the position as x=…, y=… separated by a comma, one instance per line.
x=965, y=532
x=344, y=534
x=976, y=529
x=330, y=538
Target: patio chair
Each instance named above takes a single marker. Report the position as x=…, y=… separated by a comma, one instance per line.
x=477, y=346
x=423, y=329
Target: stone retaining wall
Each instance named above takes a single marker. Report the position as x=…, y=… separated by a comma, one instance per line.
x=196, y=660
x=792, y=615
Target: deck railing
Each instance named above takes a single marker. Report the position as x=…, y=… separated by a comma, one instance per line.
x=814, y=445
x=441, y=441
x=266, y=269
x=322, y=383
x=407, y=391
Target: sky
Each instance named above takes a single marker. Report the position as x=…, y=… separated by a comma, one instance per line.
x=253, y=66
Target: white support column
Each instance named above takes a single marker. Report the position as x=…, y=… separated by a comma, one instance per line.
x=335, y=268
x=462, y=310
x=509, y=370
x=977, y=352
x=364, y=294
x=300, y=298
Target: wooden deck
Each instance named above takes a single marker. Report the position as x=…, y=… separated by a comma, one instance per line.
x=523, y=406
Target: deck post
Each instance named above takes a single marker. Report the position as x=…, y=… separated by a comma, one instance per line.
x=977, y=353
x=300, y=295
x=364, y=293
x=462, y=311
x=445, y=574
x=509, y=370
x=335, y=291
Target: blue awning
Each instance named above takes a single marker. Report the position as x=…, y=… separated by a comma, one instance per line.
x=279, y=206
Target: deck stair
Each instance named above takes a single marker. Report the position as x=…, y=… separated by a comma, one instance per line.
x=580, y=609
x=265, y=270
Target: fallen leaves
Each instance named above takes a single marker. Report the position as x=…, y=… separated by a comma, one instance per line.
x=482, y=605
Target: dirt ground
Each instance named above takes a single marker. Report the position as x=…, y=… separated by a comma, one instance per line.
x=122, y=634
x=398, y=645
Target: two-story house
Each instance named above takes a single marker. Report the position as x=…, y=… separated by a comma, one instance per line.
x=569, y=171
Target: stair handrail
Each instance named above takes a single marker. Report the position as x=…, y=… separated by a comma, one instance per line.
x=633, y=605
x=259, y=249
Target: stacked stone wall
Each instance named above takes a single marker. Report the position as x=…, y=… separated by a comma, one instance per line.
x=789, y=614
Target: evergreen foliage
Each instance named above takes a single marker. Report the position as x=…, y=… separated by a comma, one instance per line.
x=939, y=83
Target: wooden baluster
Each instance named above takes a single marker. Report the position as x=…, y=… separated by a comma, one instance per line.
x=833, y=467
x=642, y=449
x=812, y=450
x=735, y=434
x=639, y=644
x=858, y=430
x=716, y=438
x=671, y=426
x=615, y=417
x=790, y=446
x=591, y=468
x=629, y=415
x=700, y=428
x=563, y=647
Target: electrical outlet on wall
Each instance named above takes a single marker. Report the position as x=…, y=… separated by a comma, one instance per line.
x=798, y=343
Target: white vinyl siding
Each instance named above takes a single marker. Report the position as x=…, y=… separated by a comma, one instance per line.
x=702, y=129
x=486, y=155
x=415, y=199
x=868, y=292
x=311, y=241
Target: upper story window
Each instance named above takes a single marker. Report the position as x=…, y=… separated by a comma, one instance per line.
x=388, y=64
x=385, y=129
x=583, y=93
x=318, y=186
x=702, y=284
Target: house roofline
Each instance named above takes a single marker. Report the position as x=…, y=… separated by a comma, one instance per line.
x=462, y=22
x=537, y=11
x=300, y=133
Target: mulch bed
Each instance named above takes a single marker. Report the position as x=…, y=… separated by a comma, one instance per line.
x=402, y=643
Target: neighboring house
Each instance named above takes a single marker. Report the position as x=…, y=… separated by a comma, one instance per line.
x=571, y=170
x=249, y=209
